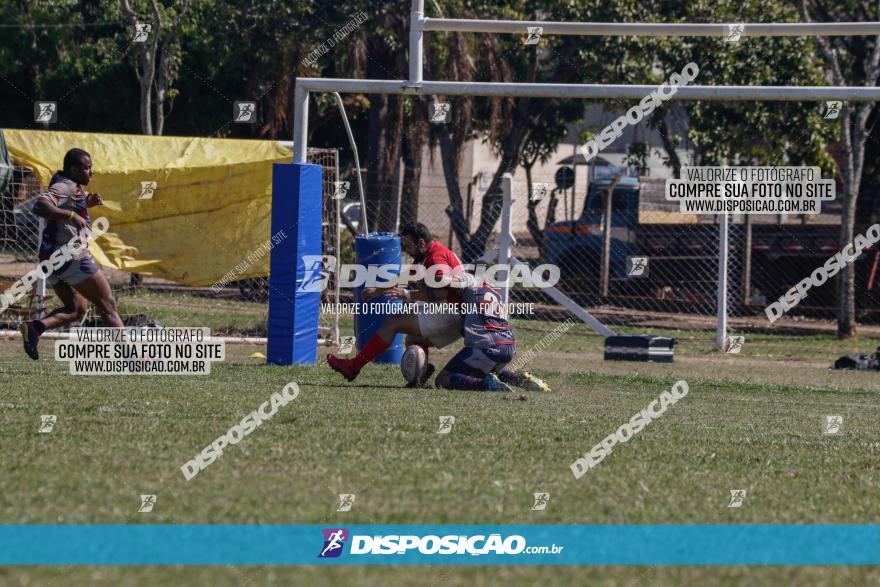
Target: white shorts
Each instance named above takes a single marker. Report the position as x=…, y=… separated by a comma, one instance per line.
x=439, y=329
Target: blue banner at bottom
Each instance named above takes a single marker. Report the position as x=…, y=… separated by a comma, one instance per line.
x=622, y=544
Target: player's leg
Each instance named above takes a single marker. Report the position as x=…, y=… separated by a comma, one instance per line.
x=438, y=330
x=74, y=307
x=378, y=344
x=523, y=380
x=471, y=369
x=399, y=324
x=95, y=287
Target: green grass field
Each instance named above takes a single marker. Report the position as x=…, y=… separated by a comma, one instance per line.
x=751, y=421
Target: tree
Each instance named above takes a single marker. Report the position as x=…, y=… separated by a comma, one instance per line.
x=59, y=51
x=848, y=61
x=413, y=145
x=746, y=133
x=386, y=60
x=456, y=63
x=509, y=124
x=541, y=146
x=158, y=58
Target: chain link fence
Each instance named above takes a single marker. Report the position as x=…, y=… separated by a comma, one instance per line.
x=238, y=308
x=655, y=269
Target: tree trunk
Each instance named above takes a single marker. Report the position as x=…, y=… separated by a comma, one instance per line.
x=669, y=146
x=163, y=78
x=846, y=293
x=146, y=81
x=455, y=210
x=853, y=136
x=532, y=223
x=161, y=92
x=384, y=140
x=490, y=210
x=385, y=125
x=377, y=143
x=413, y=145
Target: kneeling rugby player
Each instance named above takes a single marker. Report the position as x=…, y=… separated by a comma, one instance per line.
x=489, y=343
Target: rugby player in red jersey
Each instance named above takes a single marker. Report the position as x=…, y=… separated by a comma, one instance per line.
x=64, y=207
x=422, y=328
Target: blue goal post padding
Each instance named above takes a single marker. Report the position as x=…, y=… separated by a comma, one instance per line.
x=295, y=266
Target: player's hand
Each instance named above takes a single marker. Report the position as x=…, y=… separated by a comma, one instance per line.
x=80, y=222
x=368, y=293
x=94, y=199
x=395, y=293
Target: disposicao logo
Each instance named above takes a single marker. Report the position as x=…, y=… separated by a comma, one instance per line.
x=334, y=541
x=431, y=544
x=317, y=269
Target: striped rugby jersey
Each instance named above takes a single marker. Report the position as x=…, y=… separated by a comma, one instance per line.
x=66, y=194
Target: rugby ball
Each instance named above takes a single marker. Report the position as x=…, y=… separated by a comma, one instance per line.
x=414, y=364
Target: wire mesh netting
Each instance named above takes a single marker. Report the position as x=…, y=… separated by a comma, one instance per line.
x=652, y=269
x=240, y=307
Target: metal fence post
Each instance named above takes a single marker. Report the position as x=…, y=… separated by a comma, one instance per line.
x=40, y=297
x=605, y=269
x=747, y=262
x=505, y=238
x=337, y=230
x=721, y=329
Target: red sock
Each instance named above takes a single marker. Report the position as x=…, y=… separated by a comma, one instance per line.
x=375, y=347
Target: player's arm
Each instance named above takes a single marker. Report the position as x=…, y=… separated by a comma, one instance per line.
x=368, y=293
x=425, y=293
x=421, y=293
x=94, y=199
x=396, y=292
x=459, y=279
x=46, y=208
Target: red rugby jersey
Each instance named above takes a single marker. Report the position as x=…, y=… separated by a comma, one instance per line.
x=439, y=255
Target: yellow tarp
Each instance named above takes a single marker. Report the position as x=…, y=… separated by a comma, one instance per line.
x=211, y=207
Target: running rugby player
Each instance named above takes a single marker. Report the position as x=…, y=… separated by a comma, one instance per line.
x=64, y=208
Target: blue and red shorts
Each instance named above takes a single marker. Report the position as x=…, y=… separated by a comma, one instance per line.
x=73, y=272
x=481, y=362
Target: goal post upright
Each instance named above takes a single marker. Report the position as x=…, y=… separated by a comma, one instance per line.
x=416, y=41
x=416, y=85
